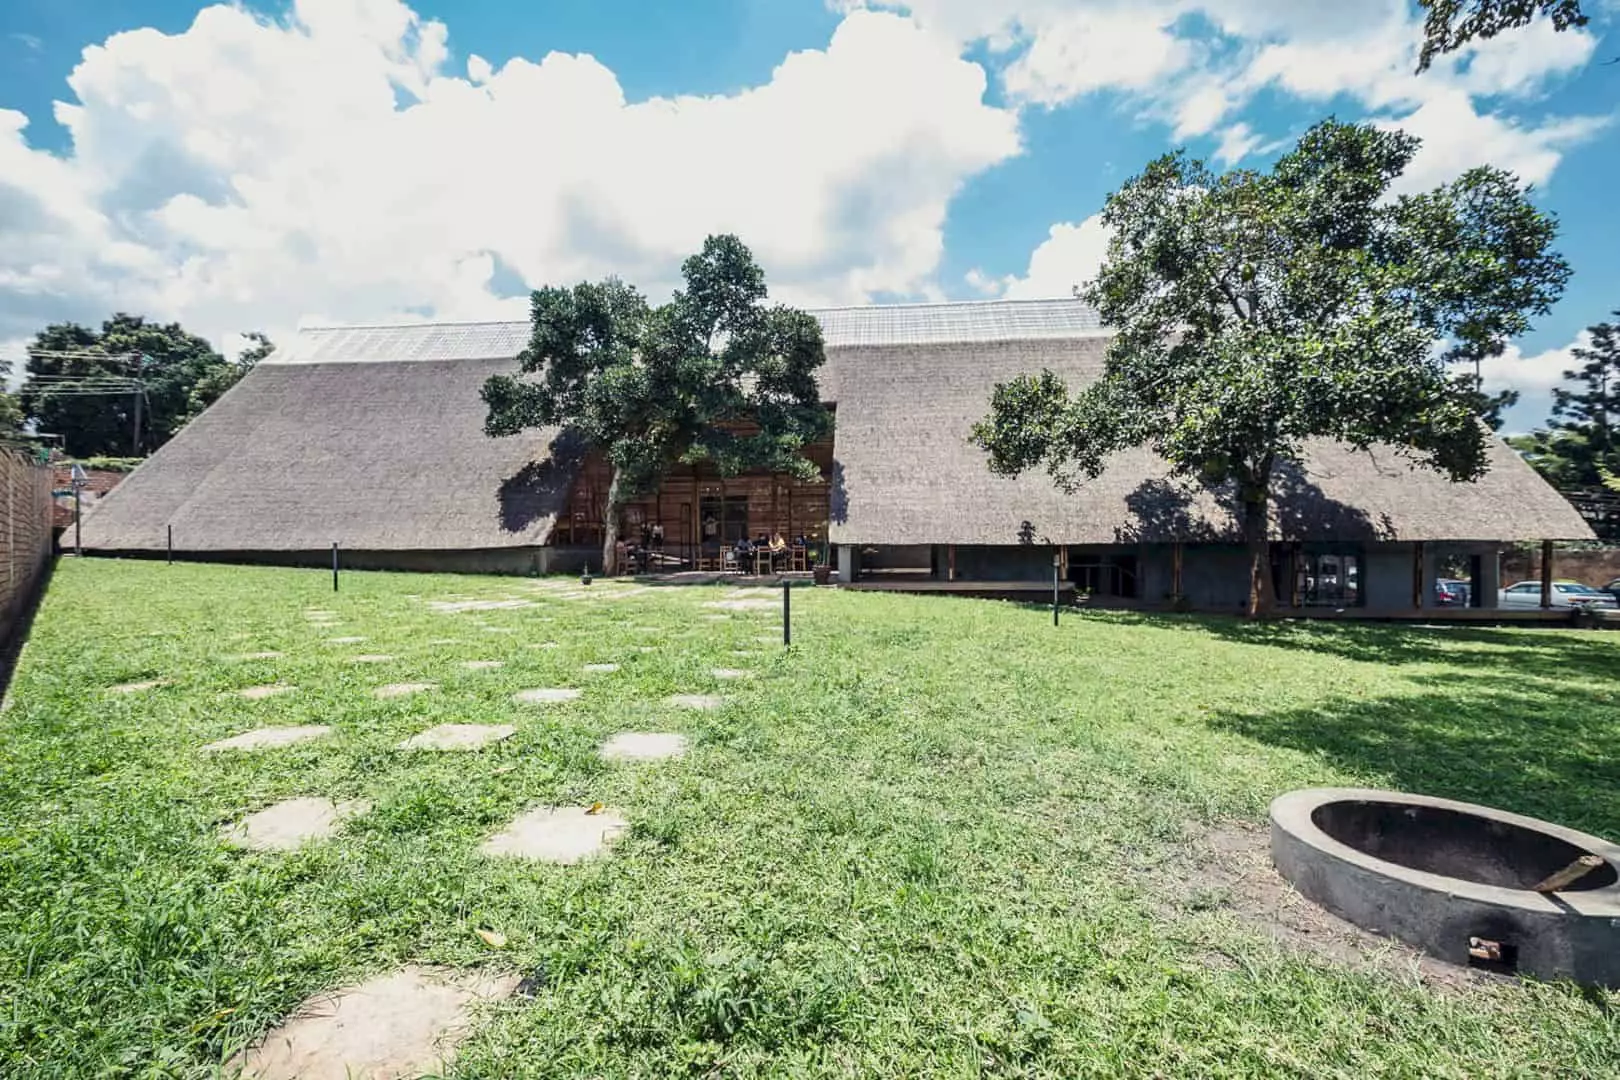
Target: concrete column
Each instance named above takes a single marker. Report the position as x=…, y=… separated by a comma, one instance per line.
x=1489, y=585
x=846, y=564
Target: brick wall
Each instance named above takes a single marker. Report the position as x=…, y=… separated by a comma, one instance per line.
x=99, y=483
x=25, y=534
x=1596, y=567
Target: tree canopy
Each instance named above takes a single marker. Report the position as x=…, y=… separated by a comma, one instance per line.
x=81, y=383
x=714, y=375
x=1448, y=25
x=1254, y=311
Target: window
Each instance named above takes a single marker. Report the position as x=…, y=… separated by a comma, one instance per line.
x=723, y=520
x=1525, y=588
x=1328, y=579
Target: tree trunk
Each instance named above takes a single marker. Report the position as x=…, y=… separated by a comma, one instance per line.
x=610, y=527
x=1256, y=536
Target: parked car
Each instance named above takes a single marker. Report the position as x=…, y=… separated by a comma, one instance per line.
x=1613, y=589
x=1449, y=592
x=1565, y=594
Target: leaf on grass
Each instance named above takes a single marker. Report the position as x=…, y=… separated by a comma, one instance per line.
x=493, y=938
x=503, y=770
x=596, y=808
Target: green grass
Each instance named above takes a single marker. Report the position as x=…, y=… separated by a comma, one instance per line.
x=925, y=842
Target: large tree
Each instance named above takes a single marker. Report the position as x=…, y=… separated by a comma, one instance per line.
x=1448, y=25
x=82, y=383
x=714, y=375
x=1255, y=311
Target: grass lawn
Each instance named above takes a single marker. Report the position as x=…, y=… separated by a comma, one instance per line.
x=937, y=838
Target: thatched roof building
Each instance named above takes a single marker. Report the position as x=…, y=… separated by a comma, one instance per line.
x=372, y=438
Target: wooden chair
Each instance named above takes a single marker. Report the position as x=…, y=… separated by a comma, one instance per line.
x=728, y=561
x=800, y=558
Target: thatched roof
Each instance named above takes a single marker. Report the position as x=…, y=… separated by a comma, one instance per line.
x=906, y=473
x=373, y=437
x=378, y=457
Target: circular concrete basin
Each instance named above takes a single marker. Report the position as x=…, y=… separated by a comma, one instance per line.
x=1466, y=883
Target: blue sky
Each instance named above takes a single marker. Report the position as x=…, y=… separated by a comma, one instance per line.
x=345, y=160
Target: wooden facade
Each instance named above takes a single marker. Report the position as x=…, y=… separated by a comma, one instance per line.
x=702, y=511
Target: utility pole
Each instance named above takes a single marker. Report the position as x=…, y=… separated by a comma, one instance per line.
x=140, y=394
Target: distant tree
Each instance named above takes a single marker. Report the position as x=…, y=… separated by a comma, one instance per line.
x=1255, y=311
x=212, y=386
x=79, y=383
x=1579, y=447
x=714, y=375
x=11, y=413
x=1448, y=25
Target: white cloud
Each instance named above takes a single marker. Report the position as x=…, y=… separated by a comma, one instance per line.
x=1456, y=138
x=1534, y=377
x=1092, y=49
x=1070, y=256
x=255, y=173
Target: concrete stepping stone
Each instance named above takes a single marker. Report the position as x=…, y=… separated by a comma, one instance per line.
x=445, y=641
x=452, y=606
x=319, y=613
x=643, y=746
x=482, y=665
x=458, y=737
x=267, y=737
x=137, y=687
x=696, y=701
x=403, y=689
x=646, y=648
x=731, y=673
x=543, y=645
x=548, y=695
x=394, y=1027
x=744, y=605
x=371, y=658
x=345, y=640
x=567, y=834
x=268, y=655
x=288, y=825
x=601, y=669
x=259, y=693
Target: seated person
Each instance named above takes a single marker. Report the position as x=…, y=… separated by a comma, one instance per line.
x=778, y=544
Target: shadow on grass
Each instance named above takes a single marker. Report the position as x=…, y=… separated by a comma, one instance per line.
x=1540, y=749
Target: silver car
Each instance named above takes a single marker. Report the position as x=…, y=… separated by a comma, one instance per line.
x=1565, y=594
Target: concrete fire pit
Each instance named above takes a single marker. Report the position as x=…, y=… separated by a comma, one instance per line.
x=1465, y=883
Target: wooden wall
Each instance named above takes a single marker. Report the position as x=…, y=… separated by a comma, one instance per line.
x=754, y=502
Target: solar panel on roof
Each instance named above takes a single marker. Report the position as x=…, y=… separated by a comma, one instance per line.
x=898, y=324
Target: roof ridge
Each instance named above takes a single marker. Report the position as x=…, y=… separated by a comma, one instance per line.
x=414, y=325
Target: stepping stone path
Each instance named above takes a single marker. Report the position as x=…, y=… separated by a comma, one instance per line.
x=403, y=689
x=744, y=605
x=259, y=693
x=458, y=737
x=262, y=738
x=643, y=746
x=371, y=658
x=731, y=673
x=345, y=640
x=557, y=834
x=545, y=696
x=396, y=1026
x=601, y=669
x=481, y=665
x=286, y=826
x=136, y=687
x=449, y=607
x=256, y=656
x=696, y=701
